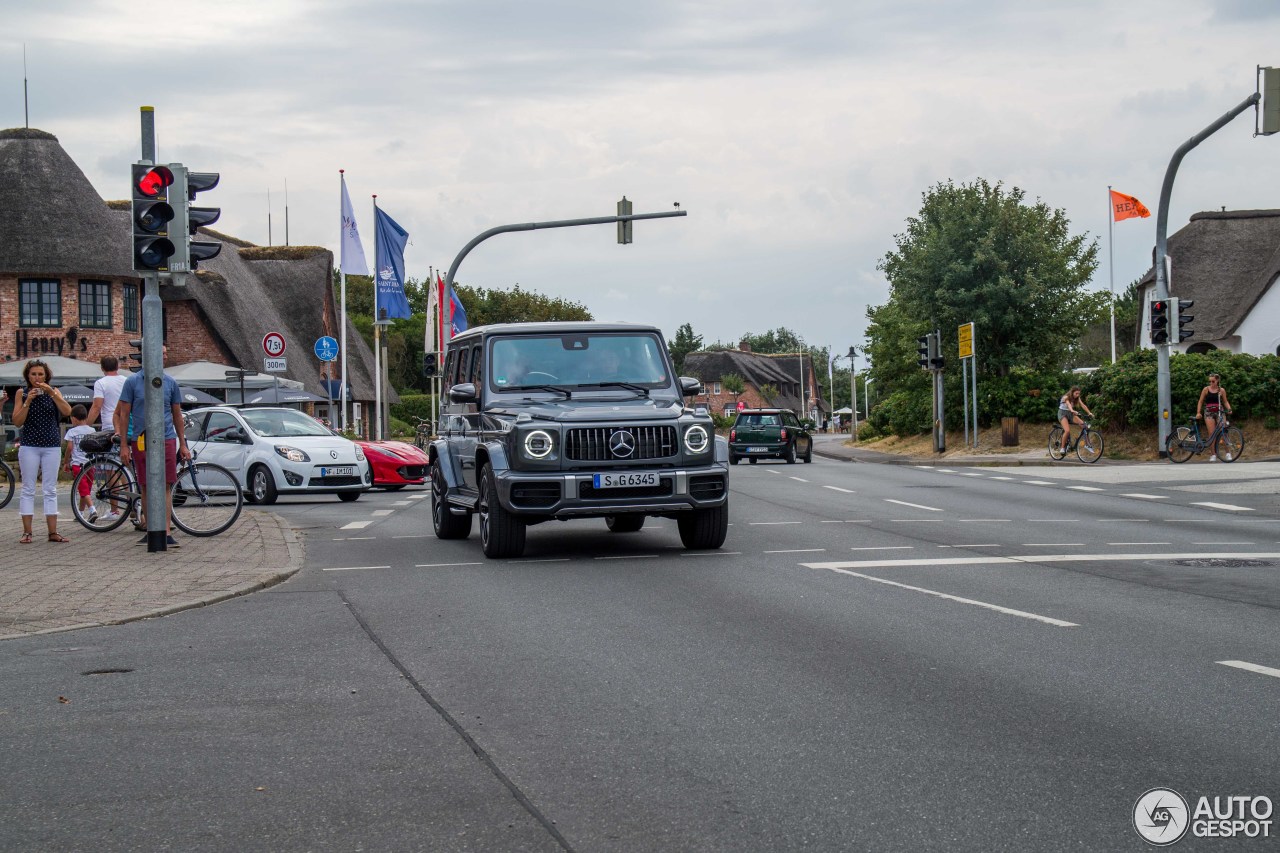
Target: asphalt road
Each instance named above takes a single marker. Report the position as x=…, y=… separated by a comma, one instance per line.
x=880, y=658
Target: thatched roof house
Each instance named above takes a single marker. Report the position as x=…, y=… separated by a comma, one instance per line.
x=758, y=370
x=1228, y=263
x=67, y=284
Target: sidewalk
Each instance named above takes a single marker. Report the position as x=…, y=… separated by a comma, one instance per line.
x=835, y=448
x=105, y=578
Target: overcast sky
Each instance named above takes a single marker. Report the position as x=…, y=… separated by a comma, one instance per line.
x=798, y=136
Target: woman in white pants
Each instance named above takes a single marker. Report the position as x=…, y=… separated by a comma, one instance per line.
x=37, y=409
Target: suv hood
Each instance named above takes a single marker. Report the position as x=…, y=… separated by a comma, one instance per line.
x=586, y=410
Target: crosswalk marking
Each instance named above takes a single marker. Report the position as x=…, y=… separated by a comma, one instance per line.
x=1252, y=667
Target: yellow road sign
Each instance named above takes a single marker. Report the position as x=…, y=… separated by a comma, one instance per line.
x=966, y=340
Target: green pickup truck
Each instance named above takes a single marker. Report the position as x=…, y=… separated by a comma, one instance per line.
x=769, y=434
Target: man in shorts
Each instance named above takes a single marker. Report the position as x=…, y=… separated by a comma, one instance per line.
x=133, y=396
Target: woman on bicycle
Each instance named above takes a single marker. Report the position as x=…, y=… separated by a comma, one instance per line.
x=1213, y=399
x=1068, y=415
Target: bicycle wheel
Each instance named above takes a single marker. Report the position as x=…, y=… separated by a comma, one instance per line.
x=206, y=499
x=1055, y=444
x=6, y=484
x=1089, y=446
x=1230, y=444
x=110, y=496
x=1181, y=444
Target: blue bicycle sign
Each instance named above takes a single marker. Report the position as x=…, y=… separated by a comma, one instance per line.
x=326, y=348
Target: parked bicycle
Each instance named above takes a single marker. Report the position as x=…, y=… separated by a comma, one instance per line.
x=1185, y=441
x=422, y=433
x=6, y=484
x=1087, y=444
x=206, y=498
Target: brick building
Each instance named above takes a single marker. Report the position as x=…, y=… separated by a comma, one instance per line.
x=67, y=285
x=784, y=372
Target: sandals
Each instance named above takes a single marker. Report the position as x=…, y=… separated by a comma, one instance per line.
x=58, y=537
x=25, y=540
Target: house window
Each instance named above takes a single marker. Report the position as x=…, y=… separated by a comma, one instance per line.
x=95, y=305
x=728, y=410
x=131, y=307
x=40, y=302
x=715, y=387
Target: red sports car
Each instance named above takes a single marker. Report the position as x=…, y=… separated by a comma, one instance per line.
x=396, y=464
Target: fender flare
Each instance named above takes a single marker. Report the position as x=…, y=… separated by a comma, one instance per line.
x=497, y=453
x=437, y=452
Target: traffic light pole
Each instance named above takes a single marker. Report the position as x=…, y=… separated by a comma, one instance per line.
x=153, y=372
x=1164, y=392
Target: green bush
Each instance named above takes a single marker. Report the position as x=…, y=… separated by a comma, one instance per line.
x=906, y=412
x=414, y=406
x=1271, y=422
x=398, y=428
x=722, y=422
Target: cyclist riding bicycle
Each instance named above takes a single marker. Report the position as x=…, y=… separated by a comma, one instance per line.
x=1068, y=415
x=1213, y=399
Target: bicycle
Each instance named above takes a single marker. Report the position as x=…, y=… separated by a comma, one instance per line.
x=6, y=484
x=205, y=499
x=1184, y=442
x=1087, y=444
x=422, y=433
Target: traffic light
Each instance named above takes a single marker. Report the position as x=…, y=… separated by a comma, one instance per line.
x=624, y=228
x=135, y=356
x=188, y=252
x=430, y=364
x=924, y=346
x=152, y=215
x=1160, y=321
x=1270, y=101
x=1180, y=319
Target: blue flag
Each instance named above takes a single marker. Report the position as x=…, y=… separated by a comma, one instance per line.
x=457, y=314
x=389, y=276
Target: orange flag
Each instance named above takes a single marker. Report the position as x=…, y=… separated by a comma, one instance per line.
x=1126, y=207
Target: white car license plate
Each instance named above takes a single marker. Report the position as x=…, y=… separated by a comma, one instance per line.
x=339, y=471
x=623, y=480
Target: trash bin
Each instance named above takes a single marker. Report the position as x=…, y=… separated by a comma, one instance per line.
x=1008, y=432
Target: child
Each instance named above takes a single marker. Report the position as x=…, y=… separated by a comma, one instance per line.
x=75, y=457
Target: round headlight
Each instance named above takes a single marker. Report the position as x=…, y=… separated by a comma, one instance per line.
x=695, y=438
x=538, y=444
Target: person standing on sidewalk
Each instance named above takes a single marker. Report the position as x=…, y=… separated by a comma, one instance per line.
x=106, y=392
x=133, y=448
x=37, y=409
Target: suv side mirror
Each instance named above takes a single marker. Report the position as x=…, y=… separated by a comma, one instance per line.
x=464, y=392
x=690, y=387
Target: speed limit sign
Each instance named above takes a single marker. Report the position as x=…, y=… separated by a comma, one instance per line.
x=273, y=344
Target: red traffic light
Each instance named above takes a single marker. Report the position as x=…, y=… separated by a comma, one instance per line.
x=154, y=181
x=1159, y=306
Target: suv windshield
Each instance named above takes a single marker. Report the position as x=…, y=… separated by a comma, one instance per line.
x=276, y=423
x=577, y=361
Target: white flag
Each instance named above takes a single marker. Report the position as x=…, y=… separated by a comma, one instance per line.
x=352, y=254
x=429, y=338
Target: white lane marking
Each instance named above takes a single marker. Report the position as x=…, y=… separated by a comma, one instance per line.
x=1047, y=558
x=921, y=520
x=849, y=521
x=402, y=503
x=797, y=551
x=947, y=470
x=1252, y=667
x=1144, y=543
x=352, y=538
x=923, y=467
x=991, y=545
x=378, y=512
x=800, y=479
x=985, y=519
x=712, y=554
x=1039, y=483
x=1145, y=496
x=542, y=560
x=1002, y=478
x=971, y=474
x=415, y=497
x=414, y=536
x=1058, y=520
x=1222, y=543
x=1229, y=507
x=913, y=506
x=1048, y=620
x=355, y=525
x=443, y=565
x=767, y=471
x=838, y=489
x=885, y=548
x=765, y=523
x=353, y=568
x=630, y=557
x=1086, y=488
x=1052, y=544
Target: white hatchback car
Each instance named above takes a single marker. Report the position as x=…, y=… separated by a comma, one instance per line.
x=275, y=451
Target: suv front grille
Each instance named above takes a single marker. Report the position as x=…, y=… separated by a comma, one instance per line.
x=592, y=444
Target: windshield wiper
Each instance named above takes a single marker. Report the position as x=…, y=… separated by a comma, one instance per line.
x=553, y=388
x=639, y=389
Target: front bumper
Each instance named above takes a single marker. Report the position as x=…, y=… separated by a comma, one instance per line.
x=572, y=495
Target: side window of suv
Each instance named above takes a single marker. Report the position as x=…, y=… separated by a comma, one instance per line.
x=447, y=374
x=462, y=366
x=477, y=363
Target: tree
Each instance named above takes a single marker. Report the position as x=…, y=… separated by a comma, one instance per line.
x=775, y=341
x=979, y=253
x=682, y=344
x=486, y=306
x=734, y=384
x=769, y=391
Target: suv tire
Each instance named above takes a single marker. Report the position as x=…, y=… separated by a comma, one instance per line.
x=704, y=528
x=501, y=533
x=447, y=524
x=629, y=523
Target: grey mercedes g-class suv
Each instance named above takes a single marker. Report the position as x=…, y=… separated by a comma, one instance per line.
x=557, y=421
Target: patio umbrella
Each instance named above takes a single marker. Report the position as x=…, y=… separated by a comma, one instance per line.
x=76, y=394
x=196, y=397
x=284, y=395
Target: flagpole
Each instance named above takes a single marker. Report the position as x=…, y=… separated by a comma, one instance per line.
x=1111, y=262
x=377, y=328
x=342, y=320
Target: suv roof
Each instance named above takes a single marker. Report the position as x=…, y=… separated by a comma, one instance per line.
x=552, y=327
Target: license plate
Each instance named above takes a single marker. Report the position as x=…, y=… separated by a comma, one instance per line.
x=757, y=450
x=623, y=480
x=339, y=471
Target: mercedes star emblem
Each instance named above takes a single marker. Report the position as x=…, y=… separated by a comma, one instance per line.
x=622, y=444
